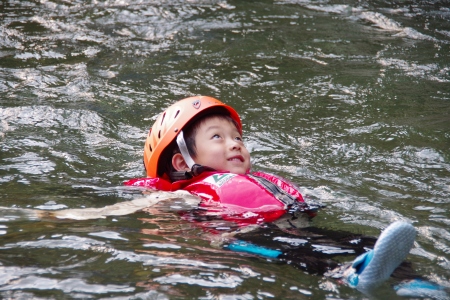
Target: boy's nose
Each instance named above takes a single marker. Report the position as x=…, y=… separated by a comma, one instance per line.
x=235, y=145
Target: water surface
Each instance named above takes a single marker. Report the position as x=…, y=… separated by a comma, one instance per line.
x=348, y=99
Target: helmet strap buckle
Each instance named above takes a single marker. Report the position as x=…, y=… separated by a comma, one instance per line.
x=196, y=170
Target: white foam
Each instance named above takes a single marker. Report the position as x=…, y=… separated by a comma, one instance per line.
x=337, y=8
x=380, y=20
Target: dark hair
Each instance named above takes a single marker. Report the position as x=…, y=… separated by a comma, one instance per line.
x=189, y=131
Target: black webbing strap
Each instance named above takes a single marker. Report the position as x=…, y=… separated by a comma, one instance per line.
x=195, y=171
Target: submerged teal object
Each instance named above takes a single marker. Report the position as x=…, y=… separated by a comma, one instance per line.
x=242, y=246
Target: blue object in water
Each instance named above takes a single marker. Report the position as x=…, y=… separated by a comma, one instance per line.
x=241, y=246
x=421, y=288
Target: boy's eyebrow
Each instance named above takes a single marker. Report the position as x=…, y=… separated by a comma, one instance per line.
x=212, y=127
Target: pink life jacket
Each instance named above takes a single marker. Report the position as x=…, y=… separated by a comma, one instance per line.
x=244, y=199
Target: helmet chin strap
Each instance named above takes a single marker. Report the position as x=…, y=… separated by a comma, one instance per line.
x=184, y=150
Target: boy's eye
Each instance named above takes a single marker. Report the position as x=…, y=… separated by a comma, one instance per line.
x=238, y=138
x=215, y=136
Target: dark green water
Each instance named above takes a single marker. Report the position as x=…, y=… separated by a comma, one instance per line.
x=348, y=99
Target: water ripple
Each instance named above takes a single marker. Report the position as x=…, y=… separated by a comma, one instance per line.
x=202, y=279
x=65, y=285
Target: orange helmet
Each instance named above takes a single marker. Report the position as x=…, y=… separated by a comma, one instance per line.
x=168, y=125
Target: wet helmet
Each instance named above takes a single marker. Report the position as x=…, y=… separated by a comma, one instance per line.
x=170, y=123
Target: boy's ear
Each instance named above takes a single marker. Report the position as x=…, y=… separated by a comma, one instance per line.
x=178, y=163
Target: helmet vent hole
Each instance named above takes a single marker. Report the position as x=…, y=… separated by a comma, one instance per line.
x=162, y=118
x=159, y=134
x=150, y=132
x=176, y=115
x=149, y=146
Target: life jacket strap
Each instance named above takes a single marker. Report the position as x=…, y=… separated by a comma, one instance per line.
x=292, y=205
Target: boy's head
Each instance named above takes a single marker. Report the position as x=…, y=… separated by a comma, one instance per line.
x=196, y=130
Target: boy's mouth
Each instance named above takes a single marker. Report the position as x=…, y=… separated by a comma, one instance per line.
x=237, y=158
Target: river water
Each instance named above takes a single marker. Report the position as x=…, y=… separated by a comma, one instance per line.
x=348, y=99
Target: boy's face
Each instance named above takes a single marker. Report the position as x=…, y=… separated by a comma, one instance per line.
x=219, y=145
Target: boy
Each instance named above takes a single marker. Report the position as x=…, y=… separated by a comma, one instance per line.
x=196, y=145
